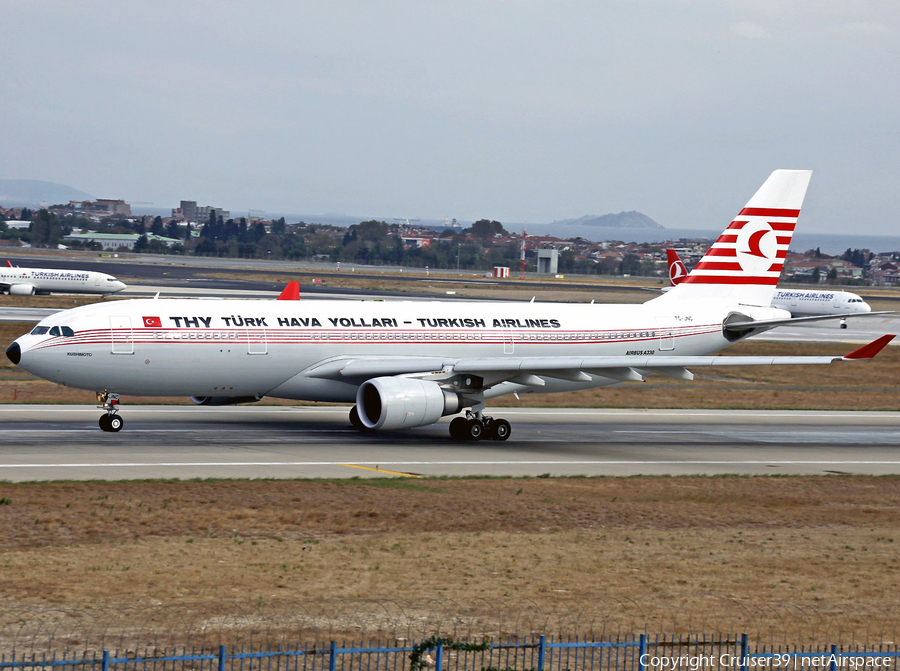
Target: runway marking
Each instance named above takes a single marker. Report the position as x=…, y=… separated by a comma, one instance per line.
x=381, y=470
x=618, y=462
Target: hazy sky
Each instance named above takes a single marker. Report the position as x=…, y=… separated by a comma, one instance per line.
x=521, y=111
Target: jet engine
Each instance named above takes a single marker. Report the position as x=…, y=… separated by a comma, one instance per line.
x=401, y=403
x=223, y=400
x=21, y=290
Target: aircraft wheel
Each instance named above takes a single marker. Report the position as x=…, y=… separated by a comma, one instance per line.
x=115, y=423
x=104, y=423
x=458, y=428
x=355, y=420
x=500, y=429
x=474, y=429
x=843, y=326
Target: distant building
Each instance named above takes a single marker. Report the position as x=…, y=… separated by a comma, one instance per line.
x=117, y=240
x=189, y=211
x=103, y=207
x=548, y=261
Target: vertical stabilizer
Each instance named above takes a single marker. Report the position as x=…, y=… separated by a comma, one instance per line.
x=744, y=264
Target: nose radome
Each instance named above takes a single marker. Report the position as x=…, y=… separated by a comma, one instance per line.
x=14, y=353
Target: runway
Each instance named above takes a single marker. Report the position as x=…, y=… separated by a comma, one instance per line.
x=65, y=443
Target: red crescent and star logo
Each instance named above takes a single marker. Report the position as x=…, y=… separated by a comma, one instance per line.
x=756, y=247
x=677, y=272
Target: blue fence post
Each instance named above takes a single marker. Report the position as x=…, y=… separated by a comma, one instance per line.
x=438, y=656
x=833, y=664
x=542, y=650
x=221, y=658
x=642, y=650
x=105, y=663
x=332, y=658
x=744, y=652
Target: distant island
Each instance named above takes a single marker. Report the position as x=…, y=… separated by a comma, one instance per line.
x=33, y=192
x=621, y=220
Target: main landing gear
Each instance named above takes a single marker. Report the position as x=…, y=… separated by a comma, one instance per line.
x=110, y=421
x=471, y=427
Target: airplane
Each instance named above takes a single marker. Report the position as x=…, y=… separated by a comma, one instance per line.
x=18, y=281
x=408, y=364
x=799, y=302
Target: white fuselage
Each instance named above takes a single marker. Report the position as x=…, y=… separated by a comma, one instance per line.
x=811, y=303
x=272, y=348
x=48, y=280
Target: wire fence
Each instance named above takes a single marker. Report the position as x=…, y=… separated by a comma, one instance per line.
x=542, y=653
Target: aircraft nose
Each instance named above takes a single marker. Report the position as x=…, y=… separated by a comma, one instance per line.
x=14, y=353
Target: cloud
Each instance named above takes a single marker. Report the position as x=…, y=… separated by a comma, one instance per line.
x=860, y=28
x=750, y=31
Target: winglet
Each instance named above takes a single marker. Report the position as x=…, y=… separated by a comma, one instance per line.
x=8, y=264
x=291, y=292
x=870, y=350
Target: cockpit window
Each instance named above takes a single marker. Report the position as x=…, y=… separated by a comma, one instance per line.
x=111, y=279
x=54, y=331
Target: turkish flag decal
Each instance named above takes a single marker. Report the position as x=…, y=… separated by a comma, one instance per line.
x=152, y=322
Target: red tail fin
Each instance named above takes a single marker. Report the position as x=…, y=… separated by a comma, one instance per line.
x=8, y=264
x=677, y=271
x=291, y=292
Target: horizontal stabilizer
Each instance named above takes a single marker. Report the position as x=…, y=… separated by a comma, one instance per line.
x=769, y=323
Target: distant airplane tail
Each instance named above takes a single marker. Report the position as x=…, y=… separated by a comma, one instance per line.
x=677, y=271
x=291, y=292
x=8, y=264
x=744, y=264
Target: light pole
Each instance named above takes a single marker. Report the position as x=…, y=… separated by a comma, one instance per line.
x=458, y=248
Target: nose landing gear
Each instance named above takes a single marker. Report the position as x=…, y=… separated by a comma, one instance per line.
x=110, y=421
x=471, y=427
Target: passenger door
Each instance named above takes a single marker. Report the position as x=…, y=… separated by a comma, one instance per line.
x=121, y=335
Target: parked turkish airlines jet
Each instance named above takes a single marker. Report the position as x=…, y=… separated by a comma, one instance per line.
x=407, y=364
x=43, y=281
x=799, y=302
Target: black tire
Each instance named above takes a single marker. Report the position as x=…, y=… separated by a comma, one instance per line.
x=104, y=422
x=500, y=429
x=474, y=429
x=458, y=428
x=355, y=420
x=115, y=423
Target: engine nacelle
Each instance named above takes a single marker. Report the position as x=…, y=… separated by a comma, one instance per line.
x=21, y=290
x=223, y=400
x=402, y=403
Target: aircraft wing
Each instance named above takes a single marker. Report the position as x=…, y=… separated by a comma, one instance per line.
x=623, y=368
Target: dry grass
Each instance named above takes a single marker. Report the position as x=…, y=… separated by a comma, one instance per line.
x=681, y=554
